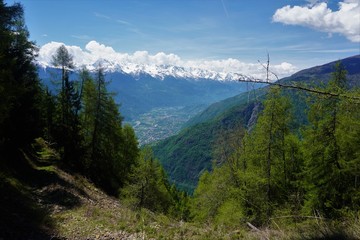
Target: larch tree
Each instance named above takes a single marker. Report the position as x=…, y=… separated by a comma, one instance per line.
x=330, y=150
x=147, y=186
x=266, y=160
x=111, y=149
x=67, y=130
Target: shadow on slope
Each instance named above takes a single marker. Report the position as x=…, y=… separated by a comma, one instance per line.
x=30, y=191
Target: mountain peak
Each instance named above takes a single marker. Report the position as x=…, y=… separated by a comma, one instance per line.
x=160, y=65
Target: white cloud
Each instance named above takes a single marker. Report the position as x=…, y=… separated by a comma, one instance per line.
x=345, y=21
x=284, y=68
x=95, y=51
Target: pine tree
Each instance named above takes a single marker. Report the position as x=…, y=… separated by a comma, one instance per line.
x=67, y=124
x=111, y=149
x=261, y=174
x=269, y=141
x=64, y=60
x=329, y=141
x=19, y=86
x=148, y=186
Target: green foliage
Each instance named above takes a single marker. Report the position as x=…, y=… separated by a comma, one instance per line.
x=110, y=148
x=45, y=153
x=189, y=153
x=266, y=173
x=212, y=192
x=65, y=120
x=331, y=156
x=19, y=86
x=267, y=159
x=281, y=174
x=148, y=186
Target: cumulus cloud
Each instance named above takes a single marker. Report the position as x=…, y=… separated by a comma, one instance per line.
x=344, y=21
x=94, y=51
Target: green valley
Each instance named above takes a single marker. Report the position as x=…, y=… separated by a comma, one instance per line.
x=160, y=123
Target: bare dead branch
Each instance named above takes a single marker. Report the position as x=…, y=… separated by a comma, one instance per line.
x=244, y=78
x=252, y=227
x=297, y=87
x=267, y=68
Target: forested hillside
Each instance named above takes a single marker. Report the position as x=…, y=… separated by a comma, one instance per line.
x=185, y=164
x=278, y=171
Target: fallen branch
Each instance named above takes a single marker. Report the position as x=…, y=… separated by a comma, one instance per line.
x=257, y=230
x=252, y=227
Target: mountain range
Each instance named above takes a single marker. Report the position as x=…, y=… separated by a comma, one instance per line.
x=160, y=71
x=186, y=155
x=157, y=100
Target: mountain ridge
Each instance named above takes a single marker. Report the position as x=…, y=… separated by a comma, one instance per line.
x=318, y=73
x=160, y=71
x=159, y=65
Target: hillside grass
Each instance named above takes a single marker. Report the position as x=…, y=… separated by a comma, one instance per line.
x=42, y=201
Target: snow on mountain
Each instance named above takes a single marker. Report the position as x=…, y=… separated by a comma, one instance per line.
x=160, y=65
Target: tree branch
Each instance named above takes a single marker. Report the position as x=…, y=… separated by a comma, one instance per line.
x=311, y=90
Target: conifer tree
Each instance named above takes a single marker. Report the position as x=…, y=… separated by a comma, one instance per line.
x=330, y=179
x=67, y=124
x=269, y=157
x=20, y=91
x=259, y=176
x=111, y=149
x=147, y=186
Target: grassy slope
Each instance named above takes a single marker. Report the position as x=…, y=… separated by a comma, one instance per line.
x=41, y=201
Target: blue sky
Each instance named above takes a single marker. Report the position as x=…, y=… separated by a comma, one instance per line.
x=203, y=29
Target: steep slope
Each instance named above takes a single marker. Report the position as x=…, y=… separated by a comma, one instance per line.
x=190, y=152
x=42, y=201
x=186, y=155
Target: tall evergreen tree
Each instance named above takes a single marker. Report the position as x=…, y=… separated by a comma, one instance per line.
x=20, y=91
x=259, y=176
x=270, y=158
x=111, y=149
x=329, y=151
x=148, y=186
x=67, y=125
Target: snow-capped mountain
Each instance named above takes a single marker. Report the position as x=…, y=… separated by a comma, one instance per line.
x=160, y=65
x=151, y=89
x=157, y=71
